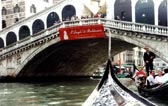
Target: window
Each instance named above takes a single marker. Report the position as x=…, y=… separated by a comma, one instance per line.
x=32, y=9
x=4, y=11
x=16, y=9
x=45, y=0
x=163, y=64
x=140, y=54
x=16, y=20
x=3, y=23
x=157, y=64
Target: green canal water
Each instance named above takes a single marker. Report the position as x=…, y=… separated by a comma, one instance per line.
x=57, y=93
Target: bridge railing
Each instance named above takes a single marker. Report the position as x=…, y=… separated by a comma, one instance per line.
x=136, y=27
x=142, y=28
x=123, y=25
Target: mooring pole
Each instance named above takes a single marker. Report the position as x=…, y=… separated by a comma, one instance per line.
x=109, y=46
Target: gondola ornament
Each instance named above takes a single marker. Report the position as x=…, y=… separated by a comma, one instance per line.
x=110, y=92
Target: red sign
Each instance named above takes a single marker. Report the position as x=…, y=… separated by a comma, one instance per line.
x=82, y=32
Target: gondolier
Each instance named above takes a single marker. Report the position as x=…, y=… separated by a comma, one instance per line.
x=148, y=59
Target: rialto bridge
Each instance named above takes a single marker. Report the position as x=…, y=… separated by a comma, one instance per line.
x=32, y=47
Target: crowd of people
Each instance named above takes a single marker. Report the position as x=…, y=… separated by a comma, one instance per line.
x=74, y=17
x=152, y=79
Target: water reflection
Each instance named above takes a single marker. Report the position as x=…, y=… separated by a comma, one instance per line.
x=59, y=93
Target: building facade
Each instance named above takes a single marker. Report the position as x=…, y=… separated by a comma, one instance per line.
x=152, y=12
x=128, y=57
x=14, y=10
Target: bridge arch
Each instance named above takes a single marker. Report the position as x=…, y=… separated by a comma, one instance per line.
x=67, y=12
x=136, y=42
x=38, y=25
x=144, y=12
x=162, y=14
x=1, y=43
x=52, y=18
x=122, y=10
x=24, y=32
x=11, y=38
x=32, y=55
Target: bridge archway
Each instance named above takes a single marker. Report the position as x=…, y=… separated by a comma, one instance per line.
x=67, y=12
x=1, y=43
x=144, y=12
x=67, y=59
x=52, y=18
x=122, y=10
x=24, y=32
x=38, y=25
x=162, y=14
x=11, y=38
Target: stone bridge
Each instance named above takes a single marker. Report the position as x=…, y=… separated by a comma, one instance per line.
x=45, y=55
x=32, y=47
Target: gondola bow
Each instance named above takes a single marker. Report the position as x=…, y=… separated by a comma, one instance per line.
x=110, y=92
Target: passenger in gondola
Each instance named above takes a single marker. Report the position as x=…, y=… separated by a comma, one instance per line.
x=140, y=78
x=158, y=78
x=138, y=72
x=164, y=78
x=150, y=80
x=148, y=59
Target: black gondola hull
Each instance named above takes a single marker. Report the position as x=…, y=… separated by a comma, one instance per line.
x=160, y=91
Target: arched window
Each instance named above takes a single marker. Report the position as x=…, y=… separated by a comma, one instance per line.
x=52, y=18
x=32, y=9
x=38, y=26
x=163, y=14
x=10, y=38
x=16, y=9
x=24, y=32
x=144, y=12
x=67, y=12
x=4, y=11
x=1, y=43
x=122, y=10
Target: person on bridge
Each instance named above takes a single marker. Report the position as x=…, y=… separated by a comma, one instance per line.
x=148, y=59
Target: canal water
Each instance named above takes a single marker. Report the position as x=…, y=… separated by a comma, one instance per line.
x=57, y=93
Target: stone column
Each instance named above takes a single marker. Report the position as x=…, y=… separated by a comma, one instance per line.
x=156, y=8
x=0, y=16
x=110, y=9
x=133, y=3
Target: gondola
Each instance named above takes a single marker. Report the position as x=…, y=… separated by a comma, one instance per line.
x=160, y=91
x=110, y=92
